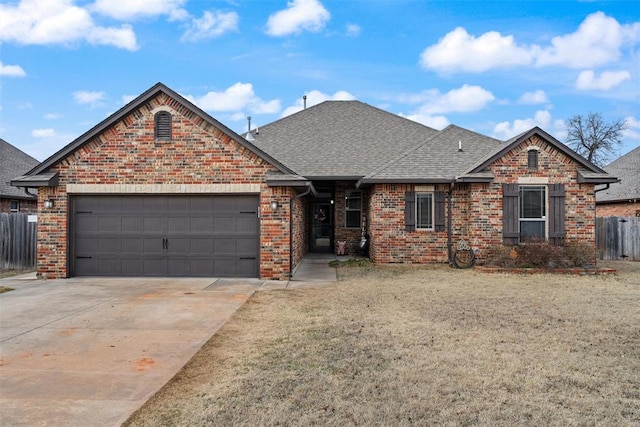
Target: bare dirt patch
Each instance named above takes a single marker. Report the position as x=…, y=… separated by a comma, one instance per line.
x=405, y=346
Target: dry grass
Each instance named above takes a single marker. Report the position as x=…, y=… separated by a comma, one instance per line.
x=420, y=346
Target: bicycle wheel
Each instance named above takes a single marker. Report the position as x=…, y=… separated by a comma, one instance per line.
x=464, y=258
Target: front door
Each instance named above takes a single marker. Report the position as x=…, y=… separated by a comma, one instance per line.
x=321, y=227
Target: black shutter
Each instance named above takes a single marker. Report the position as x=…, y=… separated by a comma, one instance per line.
x=510, y=214
x=410, y=210
x=439, y=211
x=556, y=214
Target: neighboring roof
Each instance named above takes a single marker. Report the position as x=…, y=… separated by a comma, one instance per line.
x=132, y=106
x=627, y=169
x=339, y=139
x=13, y=162
x=440, y=159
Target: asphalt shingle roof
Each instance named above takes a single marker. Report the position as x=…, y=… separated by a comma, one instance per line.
x=13, y=163
x=439, y=158
x=627, y=169
x=339, y=139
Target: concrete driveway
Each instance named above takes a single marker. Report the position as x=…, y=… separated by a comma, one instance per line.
x=89, y=351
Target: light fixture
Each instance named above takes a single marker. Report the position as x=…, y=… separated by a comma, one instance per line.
x=48, y=204
x=274, y=206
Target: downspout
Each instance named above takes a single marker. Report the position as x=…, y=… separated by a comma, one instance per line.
x=26, y=190
x=449, y=216
x=291, y=200
x=602, y=189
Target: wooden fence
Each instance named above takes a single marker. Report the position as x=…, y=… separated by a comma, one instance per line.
x=618, y=237
x=17, y=241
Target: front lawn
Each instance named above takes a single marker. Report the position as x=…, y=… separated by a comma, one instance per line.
x=420, y=346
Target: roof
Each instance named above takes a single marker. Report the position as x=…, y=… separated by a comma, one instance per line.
x=132, y=106
x=627, y=169
x=442, y=158
x=13, y=162
x=339, y=139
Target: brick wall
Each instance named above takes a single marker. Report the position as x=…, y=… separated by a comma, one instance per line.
x=300, y=230
x=199, y=153
x=477, y=209
x=24, y=206
x=618, y=209
x=342, y=233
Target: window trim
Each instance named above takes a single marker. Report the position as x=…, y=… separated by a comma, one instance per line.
x=544, y=218
x=431, y=195
x=348, y=209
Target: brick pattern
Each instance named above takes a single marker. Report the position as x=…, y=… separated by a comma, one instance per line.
x=618, y=209
x=300, y=226
x=199, y=153
x=341, y=232
x=24, y=206
x=477, y=209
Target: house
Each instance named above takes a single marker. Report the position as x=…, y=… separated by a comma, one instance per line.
x=621, y=198
x=14, y=162
x=160, y=188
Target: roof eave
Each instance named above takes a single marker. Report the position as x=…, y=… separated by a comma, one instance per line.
x=34, y=181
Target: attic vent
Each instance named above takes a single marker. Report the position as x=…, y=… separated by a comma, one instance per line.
x=162, y=128
x=532, y=159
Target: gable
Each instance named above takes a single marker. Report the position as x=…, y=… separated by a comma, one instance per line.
x=134, y=117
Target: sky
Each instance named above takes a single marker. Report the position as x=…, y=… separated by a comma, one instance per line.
x=497, y=68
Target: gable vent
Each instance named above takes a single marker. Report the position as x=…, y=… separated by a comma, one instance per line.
x=162, y=129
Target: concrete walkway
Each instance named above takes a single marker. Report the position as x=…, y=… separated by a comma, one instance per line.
x=90, y=351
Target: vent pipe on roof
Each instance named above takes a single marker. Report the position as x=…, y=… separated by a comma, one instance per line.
x=304, y=101
x=460, y=145
x=248, y=123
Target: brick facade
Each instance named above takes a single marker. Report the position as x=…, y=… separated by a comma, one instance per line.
x=198, y=154
x=477, y=208
x=24, y=206
x=618, y=209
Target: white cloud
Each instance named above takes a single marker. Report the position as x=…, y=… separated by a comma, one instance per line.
x=460, y=51
x=84, y=97
x=45, y=22
x=587, y=80
x=465, y=99
x=127, y=99
x=53, y=116
x=212, y=24
x=532, y=98
x=542, y=119
x=315, y=97
x=353, y=30
x=633, y=131
x=129, y=10
x=11, y=70
x=237, y=98
x=598, y=40
x=300, y=15
x=43, y=133
x=436, y=122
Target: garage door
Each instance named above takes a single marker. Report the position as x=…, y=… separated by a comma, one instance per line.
x=184, y=236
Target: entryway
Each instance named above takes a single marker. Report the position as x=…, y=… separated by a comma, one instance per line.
x=321, y=227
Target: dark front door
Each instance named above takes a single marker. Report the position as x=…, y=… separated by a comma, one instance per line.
x=145, y=235
x=321, y=227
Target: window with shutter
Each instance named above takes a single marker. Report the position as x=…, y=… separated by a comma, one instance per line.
x=510, y=214
x=556, y=214
x=162, y=125
x=410, y=210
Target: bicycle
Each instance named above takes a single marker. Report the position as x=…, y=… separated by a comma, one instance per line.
x=463, y=256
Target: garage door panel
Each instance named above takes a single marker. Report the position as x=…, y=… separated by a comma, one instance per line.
x=166, y=235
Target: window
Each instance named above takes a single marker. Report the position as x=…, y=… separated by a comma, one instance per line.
x=353, y=209
x=532, y=159
x=162, y=129
x=14, y=206
x=533, y=217
x=424, y=211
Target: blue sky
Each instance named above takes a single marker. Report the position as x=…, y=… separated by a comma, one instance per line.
x=498, y=68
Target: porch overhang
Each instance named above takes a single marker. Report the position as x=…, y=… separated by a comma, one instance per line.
x=365, y=182
x=589, y=177
x=46, y=179
x=297, y=182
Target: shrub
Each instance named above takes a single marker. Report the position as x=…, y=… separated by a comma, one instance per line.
x=540, y=255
